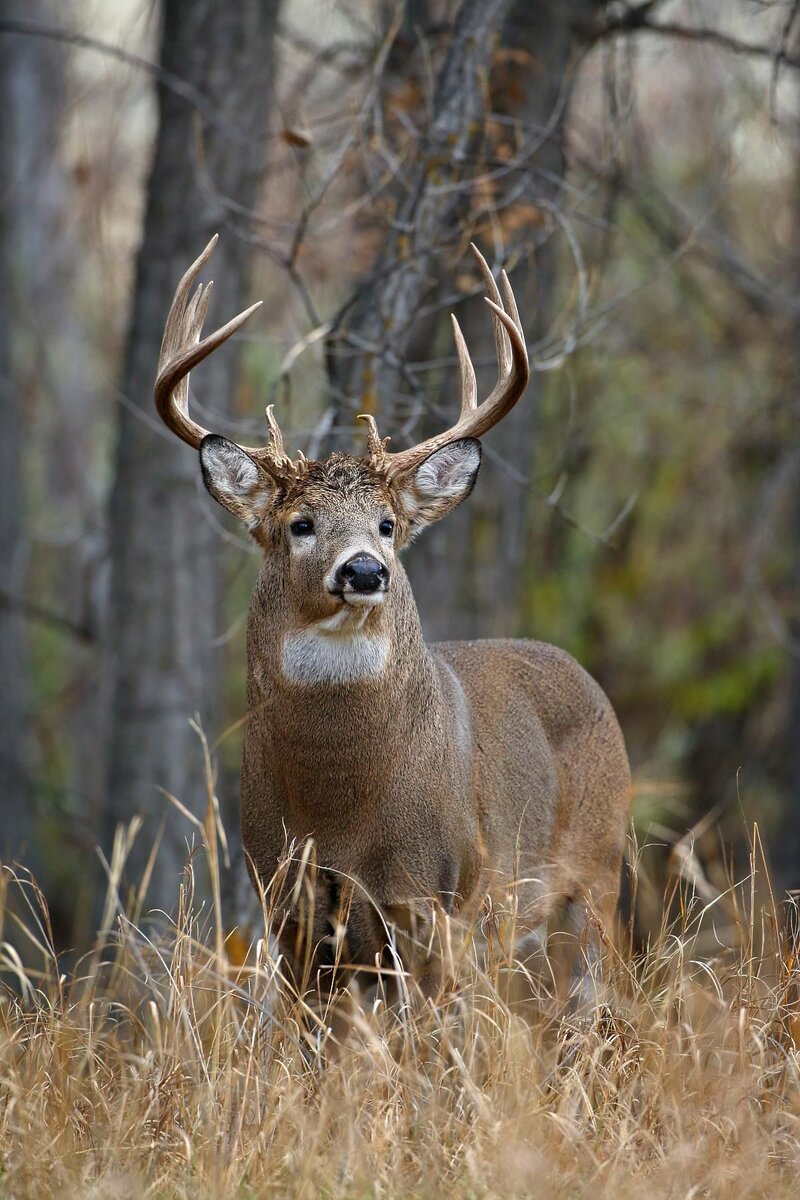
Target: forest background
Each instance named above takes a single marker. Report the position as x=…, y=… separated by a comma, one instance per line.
x=635, y=166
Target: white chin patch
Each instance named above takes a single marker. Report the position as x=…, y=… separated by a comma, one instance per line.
x=362, y=601
x=334, y=650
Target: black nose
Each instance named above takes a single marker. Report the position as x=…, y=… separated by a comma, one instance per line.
x=362, y=573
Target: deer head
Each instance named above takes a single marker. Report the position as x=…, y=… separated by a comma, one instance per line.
x=337, y=525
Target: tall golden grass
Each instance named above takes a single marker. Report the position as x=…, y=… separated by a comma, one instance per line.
x=157, y=1068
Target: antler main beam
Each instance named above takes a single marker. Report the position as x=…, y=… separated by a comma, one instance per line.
x=513, y=373
x=182, y=350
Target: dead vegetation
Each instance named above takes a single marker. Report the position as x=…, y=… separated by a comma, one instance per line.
x=155, y=1067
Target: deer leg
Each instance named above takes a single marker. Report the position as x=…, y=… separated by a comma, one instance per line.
x=587, y=923
x=582, y=954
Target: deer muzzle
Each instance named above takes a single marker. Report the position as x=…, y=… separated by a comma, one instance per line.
x=361, y=575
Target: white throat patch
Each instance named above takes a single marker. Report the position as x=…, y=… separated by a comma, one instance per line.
x=334, y=651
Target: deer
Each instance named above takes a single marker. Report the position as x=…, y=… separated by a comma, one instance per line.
x=426, y=777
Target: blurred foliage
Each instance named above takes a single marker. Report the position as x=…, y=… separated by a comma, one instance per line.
x=662, y=551
x=674, y=417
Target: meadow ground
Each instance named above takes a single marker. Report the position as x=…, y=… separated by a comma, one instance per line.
x=156, y=1068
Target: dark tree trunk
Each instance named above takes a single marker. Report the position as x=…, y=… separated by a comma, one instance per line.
x=366, y=355
x=467, y=571
x=166, y=555
x=786, y=850
x=786, y=844
x=14, y=757
x=15, y=792
x=31, y=209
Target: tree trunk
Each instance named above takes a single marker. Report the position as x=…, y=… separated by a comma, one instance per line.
x=15, y=792
x=166, y=555
x=31, y=206
x=786, y=848
x=466, y=572
x=366, y=354
x=786, y=844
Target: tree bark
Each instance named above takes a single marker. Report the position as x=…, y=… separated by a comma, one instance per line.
x=466, y=572
x=166, y=555
x=785, y=848
x=31, y=204
x=381, y=323
x=15, y=759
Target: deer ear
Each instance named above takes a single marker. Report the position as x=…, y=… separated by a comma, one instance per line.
x=233, y=478
x=440, y=483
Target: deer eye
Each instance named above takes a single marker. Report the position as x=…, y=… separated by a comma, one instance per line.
x=386, y=528
x=302, y=528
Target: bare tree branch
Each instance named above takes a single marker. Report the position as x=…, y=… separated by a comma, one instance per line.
x=209, y=110
x=37, y=612
x=636, y=20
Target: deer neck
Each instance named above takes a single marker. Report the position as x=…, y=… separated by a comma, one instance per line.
x=341, y=744
x=377, y=653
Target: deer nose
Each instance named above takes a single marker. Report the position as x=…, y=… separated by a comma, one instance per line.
x=362, y=573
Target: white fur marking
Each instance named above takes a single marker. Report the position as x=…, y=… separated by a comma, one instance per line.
x=323, y=654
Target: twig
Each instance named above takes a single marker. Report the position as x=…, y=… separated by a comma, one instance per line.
x=37, y=612
x=635, y=21
x=168, y=79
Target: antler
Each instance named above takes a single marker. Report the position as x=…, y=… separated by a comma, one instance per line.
x=513, y=373
x=181, y=350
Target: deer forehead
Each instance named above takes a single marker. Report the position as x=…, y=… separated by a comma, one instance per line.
x=341, y=482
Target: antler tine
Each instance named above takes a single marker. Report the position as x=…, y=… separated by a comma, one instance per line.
x=509, y=300
x=513, y=373
x=502, y=348
x=182, y=308
x=376, y=444
x=469, y=386
x=274, y=452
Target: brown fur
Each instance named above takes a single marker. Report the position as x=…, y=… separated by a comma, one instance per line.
x=462, y=766
x=424, y=775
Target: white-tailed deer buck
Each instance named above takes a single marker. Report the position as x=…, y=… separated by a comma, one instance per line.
x=427, y=776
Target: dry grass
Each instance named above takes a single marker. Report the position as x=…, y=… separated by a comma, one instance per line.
x=157, y=1070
